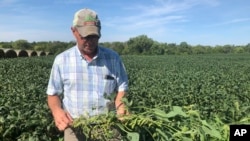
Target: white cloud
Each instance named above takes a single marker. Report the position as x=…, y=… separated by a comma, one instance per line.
x=233, y=21
x=5, y=3
x=35, y=35
x=68, y=1
x=160, y=13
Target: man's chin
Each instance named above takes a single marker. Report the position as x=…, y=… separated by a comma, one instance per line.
x=89, y=51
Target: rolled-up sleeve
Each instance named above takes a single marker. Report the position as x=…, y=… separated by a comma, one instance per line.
x=122, y=79
x=55, y=85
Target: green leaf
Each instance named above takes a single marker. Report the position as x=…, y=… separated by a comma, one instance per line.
x=210, y=130
x=179, y=111
x=8, y=130
x=133, y=136
x=162, y=134
x=186, y=139
x=176, y=111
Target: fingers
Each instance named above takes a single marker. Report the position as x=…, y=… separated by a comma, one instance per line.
x=61, y=126
x=69, y=118
x=63, y=120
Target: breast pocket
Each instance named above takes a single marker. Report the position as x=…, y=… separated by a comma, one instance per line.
x=109, y=84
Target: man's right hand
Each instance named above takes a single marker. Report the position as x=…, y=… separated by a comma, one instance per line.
x=62, y=119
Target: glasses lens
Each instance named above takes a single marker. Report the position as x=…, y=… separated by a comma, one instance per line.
x=90, y=37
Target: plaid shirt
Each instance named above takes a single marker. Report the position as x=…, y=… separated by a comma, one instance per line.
x=83, y=84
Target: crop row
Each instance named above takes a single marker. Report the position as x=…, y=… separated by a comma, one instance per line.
x=200, y=95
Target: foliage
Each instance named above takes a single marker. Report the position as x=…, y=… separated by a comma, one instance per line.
x=139, y=45
x=191, y=97
x=116, y=46
x=155, y=124
x=24, y=114
x=21, y=44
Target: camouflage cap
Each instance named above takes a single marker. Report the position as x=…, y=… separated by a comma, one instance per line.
x=87, y=23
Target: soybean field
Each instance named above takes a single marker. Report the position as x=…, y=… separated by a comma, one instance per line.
x=175, y=98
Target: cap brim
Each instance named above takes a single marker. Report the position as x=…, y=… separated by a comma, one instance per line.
x=88, y=30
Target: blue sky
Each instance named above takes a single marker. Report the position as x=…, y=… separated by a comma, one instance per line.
x=204, y=22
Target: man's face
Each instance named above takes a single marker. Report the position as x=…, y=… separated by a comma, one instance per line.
x=87, y=45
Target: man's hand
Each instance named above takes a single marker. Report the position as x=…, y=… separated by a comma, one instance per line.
x=62, y=119
x=120, y=107
x=122, y=112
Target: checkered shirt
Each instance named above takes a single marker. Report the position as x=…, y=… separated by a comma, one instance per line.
x=84, y=84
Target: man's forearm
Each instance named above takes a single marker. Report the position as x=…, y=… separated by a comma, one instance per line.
x=54, y=102
x=120, y=107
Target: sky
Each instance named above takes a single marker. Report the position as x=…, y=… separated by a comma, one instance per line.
x=196, y=22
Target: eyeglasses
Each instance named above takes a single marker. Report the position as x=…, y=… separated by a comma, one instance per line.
x=89, y=37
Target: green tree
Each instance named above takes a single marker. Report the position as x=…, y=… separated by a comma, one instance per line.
x=227, y=49
x=40, y=47
x=247, y=48
x=21, y=44
x=6, y=45
x=57, y=47
x=157, y=49
x=238, y=49
x=116, y=46
x=140, y=45
x=171, y=49
x=199, y=49
x=184, y=48
x=218, y=49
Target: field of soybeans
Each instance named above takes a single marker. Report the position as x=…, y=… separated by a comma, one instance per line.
x=175, y=98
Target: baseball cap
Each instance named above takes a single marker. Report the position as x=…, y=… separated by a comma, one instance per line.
x=87, y=23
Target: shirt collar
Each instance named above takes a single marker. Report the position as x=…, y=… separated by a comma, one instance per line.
x=82, y=57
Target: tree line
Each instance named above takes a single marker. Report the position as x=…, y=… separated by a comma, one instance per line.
x=140, y=45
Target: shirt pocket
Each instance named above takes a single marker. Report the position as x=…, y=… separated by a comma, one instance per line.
x=109, y=84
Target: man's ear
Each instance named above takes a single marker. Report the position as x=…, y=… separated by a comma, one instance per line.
x=73, y=29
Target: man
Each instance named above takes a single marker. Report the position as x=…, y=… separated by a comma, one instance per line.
x=84, y=74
